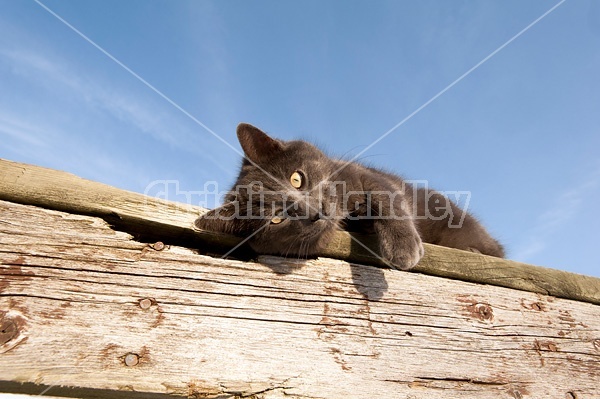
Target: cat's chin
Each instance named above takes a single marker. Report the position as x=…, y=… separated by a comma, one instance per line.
x=309, y=243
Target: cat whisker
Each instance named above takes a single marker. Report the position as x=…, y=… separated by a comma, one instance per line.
x=303, y=249
x=289, y=249
x=299, y=252
x=306, y=251
x=369, y=156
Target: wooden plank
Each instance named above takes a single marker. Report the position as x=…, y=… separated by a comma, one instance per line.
x=132, y=212
x=86, y=311
x=155, y=219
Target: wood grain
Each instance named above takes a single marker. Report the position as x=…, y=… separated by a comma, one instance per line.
x=153, y=219
x=89, y=312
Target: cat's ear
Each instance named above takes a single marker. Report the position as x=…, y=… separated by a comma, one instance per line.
x=221, y=220
x=257, y=145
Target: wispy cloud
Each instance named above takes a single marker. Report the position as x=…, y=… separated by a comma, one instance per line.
x=553, y=219
x=68, y=90
x=22, y=131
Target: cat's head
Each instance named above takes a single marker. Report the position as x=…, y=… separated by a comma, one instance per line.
x=281, y=199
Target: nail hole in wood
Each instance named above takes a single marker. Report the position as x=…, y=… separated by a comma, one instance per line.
x=131, y=359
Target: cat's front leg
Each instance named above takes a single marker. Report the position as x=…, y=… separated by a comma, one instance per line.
x=399, y=243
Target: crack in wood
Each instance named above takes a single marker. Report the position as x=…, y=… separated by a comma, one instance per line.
x=462, y=380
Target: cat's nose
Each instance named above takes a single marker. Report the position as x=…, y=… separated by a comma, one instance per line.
x=315, y=216
x=315, y=213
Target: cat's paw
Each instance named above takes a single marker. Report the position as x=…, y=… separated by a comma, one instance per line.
x=208, y=221
x=220, y=220
x=401, y=249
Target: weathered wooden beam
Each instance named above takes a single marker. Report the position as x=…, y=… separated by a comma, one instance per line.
x=88, y=312
x=172, y=222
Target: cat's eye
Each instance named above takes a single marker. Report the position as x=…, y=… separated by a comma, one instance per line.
x=276, y=220
x=296, y=179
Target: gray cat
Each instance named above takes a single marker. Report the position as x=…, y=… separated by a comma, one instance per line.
x=290, y=198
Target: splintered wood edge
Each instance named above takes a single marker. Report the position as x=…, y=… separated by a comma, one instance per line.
x=138, y=213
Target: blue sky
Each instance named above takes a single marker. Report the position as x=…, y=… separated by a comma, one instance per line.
x=521, y=132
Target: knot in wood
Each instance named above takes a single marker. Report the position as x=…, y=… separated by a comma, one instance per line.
x=13, y=330
x=8, y=330
x=482, y=311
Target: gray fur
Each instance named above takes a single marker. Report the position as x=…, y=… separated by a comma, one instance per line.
x=335, y=195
